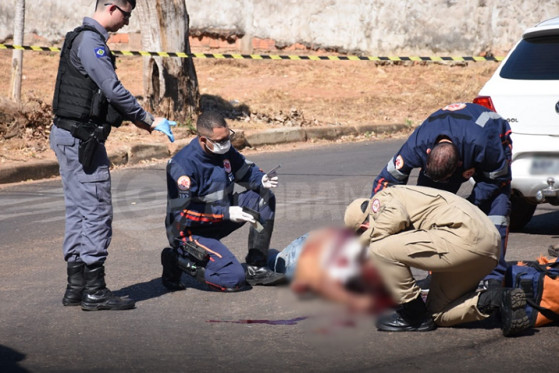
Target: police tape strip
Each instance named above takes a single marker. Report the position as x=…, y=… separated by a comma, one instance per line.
x=268, y=56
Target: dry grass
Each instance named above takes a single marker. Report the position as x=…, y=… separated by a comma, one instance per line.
x=329, y=92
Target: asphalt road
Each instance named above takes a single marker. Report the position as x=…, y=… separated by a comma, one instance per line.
x=264, y=329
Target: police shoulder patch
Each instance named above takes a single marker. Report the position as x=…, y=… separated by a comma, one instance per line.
x=183, y=183
x=100, y=52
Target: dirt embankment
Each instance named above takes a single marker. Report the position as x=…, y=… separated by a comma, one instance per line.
x=266, y=94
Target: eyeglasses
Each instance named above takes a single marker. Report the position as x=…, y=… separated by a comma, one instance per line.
x=124, y=13
x=225, y=140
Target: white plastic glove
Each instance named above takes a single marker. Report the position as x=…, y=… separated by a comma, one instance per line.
x=269, y=182
x=237, y=215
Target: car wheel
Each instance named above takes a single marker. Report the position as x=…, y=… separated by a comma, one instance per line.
x=522, y=211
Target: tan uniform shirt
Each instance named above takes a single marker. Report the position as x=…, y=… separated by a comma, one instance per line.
x=447, y=219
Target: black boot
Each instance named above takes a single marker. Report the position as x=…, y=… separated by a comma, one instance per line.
x=96, y=296
x=411, y=316
x=197, y=271
x=260, y=241
x=76, y=283
x=511, y=305
x=491, y=283
x=191, y=267
x=514, y=319
x=489, y=301
x=257, y=271
x=171, y=277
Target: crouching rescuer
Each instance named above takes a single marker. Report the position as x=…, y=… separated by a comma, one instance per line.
x=440, y=232
x=202, y=209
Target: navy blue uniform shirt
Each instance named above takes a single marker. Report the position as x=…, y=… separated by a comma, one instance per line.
x=484, y=145
x=200, y=186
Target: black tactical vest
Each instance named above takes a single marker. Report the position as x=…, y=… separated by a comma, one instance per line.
x=76, y=96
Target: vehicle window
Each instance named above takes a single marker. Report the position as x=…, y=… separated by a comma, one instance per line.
x=534, y=59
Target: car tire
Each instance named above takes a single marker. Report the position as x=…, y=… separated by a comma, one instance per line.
x=521, y=212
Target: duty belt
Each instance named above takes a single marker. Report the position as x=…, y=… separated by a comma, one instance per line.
x=81, y=130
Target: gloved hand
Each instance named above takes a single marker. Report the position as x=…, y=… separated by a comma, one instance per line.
x=268, y=182
x=164, y=125
x=237, y=215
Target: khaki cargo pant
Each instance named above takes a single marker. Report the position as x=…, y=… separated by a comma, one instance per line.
x=456, y=270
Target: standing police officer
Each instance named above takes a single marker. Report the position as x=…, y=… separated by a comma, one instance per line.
x=88, y=100
x=459, y=142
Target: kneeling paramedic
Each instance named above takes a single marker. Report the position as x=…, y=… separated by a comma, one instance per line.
x=440, y=232
x=202, y=209
x=460, y=142
x=89, y=99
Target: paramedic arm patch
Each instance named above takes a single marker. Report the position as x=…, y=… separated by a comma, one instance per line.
x=183, y=183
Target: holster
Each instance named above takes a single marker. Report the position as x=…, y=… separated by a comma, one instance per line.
x=97, y=135
x=197, y=253
x=86, y=151
x=90, y=136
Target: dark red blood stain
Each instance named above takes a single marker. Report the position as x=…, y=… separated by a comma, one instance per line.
x=268, y=322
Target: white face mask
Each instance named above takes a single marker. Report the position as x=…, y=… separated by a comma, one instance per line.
x=219, y=148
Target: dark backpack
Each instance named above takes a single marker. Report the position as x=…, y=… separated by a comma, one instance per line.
x=540, y=281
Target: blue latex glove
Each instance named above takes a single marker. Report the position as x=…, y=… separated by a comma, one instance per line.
x=165, y=127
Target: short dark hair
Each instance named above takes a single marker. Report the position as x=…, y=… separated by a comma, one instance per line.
x=442, y=161
x=131, y=2
x=209, y=120
x=118, y=2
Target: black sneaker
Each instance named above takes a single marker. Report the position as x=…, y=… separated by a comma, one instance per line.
x=264, y=276
x=514, y=319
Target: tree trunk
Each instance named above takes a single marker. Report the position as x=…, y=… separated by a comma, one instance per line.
x=170, y=84
x=17, y=56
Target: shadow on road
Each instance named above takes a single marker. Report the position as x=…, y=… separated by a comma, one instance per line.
x=9, y=360
x=143, y=290
x=492, y=322
x=154, y=288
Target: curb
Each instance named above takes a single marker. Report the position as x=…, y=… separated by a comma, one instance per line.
x=40, y=169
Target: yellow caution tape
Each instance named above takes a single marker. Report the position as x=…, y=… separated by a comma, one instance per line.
x=238, y=56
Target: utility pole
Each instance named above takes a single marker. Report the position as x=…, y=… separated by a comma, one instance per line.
x=17, y=56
